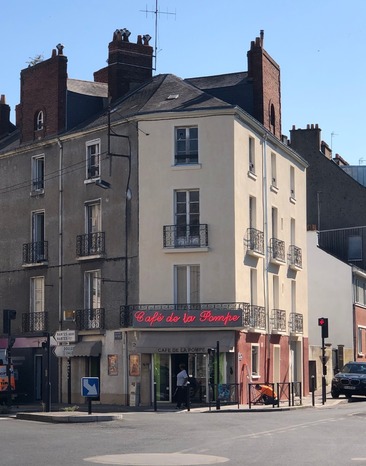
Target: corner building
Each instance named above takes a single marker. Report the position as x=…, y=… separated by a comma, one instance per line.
x=196, y=244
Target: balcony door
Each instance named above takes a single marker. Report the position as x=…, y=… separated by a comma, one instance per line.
x=92, y=298
x=92, y=227
x=36, y=322
x=38, y=253
x=187, y=217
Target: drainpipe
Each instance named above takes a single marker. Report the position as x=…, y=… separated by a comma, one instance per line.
x=266, y=255
x=60, y=249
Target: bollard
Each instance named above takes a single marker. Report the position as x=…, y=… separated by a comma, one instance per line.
x=313, y=390
x=188, y=398
x=155, y=401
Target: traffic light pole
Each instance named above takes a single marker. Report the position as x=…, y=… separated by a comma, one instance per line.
x=324, y=396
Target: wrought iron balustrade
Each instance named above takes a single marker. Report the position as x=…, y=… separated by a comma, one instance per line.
x=90, y=319
x=255, y=317
x=278, y=320
x=294, y=257
x=296, y=323
x=34, y=322
x=35, y=252
x=185, y=236
x=254, y=241
x=277, y=250
x=90, y=244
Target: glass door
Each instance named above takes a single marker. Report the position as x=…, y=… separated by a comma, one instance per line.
x=162, y=376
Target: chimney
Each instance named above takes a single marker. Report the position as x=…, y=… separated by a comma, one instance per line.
x=129, y=64
x=43, y=92
x=5, y=125
x=305, y=140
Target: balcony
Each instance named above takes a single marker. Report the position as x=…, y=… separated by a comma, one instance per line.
x=278, y=321
x=277, y=251
x=294, y=257
x=35, y=253
x=295, y=323
x=255, y=318
x=90, y=319
x=185, y=236
x=34, y=322
x=91, y=244
x=254, y=242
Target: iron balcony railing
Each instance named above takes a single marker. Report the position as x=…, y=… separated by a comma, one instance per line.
x=255, y=317
x=296, y=323
x=185, y=236
x=35, y=252
x=255, y=241
x=278, y=320
x=90, y=244
x=277, y=250
x=90, y=319
x=294, y=257
x=126, y=312
x=34, y=322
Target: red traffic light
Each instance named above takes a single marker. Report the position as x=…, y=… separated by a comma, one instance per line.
x=322, y=321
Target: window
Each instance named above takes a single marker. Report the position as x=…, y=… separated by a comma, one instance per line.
x=187, y=284
x=37, y=294
x=93, y=159
x=293, y=296
x=292, y=182
x=359, y=340
x=187, y=217
x=251, y=155
x=276, y=292
x=253, y=287
x=255, y=360
x=274, y=222
x=252, y=212
x=39, y=121
x=354, y=248
x=186, y=145
x=360, y=291
x=273, y=119
x=92, y=217
x=38, y=174
x=92, y=290
x=273, y=170
x=38, y=242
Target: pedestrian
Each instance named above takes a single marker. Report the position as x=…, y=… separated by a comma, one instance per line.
x=267, y=395
x=181, y=391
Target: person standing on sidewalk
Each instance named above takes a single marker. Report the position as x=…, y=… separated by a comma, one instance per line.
x=181, y=392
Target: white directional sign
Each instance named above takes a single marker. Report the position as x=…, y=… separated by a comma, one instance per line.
x=65, y=336
x=89, y=386
x=64, y=351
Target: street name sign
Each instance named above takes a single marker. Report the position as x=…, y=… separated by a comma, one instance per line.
x=63, y=351
x=89, y=387
x=65, y=336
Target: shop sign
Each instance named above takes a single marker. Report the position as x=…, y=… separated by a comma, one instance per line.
x=188, y=318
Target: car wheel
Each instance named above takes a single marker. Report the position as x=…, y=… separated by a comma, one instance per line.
x=335, y=394
x=348, y=396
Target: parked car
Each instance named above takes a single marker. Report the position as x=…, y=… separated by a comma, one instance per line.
x=351, y=380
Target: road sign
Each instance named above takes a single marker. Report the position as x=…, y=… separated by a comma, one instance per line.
x=89, y=386
x=64, y=351
x=65, y=336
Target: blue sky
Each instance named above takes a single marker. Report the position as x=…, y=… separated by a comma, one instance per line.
x=319, y=45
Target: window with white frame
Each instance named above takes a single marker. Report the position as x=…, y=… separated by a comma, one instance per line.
x=187, y=217
x=292, y=182
x=276, y=292
x=92, y=289
x=186, y=145
x=37, y=294
x=93, y=159
x=251, y=155
x=359, y=291
x=252, y=212
x=37, y=174
x=293, y=296
x=253, y=287
x=38, y=247
x=273, y=170
x=360, y=334
x=187, y=284
x=92, y=217
x=255, y=360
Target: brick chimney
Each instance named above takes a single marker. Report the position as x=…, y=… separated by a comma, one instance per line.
x=265, y=75
x=306, y=140
x=5, y=126
x=43, y=89
x=129, y=64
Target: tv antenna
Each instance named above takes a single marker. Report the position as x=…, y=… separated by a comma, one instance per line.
x=156, y=12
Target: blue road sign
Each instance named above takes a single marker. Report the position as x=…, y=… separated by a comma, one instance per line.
x=89, y=386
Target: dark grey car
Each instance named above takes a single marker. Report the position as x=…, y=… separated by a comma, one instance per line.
x=351, y=380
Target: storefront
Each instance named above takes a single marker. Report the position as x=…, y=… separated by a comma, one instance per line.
x=163, y=339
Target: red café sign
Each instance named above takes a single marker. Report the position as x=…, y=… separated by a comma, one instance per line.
x=188, y=318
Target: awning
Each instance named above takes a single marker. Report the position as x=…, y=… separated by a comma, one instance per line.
x=184, y=342
x=87, y=348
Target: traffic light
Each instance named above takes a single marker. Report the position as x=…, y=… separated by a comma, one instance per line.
x=323, y=323
x=8, y=316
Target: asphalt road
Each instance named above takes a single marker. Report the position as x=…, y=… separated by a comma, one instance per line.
x=306, y=436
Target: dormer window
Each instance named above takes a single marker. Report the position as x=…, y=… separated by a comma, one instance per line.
x=39, y=120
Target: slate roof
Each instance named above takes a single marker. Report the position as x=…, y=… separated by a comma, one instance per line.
x=87, y=88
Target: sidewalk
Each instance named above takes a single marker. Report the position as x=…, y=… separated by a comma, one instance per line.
x=61, y=413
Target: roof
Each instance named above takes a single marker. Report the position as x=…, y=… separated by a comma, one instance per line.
x=87, y=88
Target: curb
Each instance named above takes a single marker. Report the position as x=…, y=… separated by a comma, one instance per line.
x=60, y=417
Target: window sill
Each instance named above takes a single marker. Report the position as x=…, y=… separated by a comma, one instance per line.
x=274, y=188
x=186, y=250
x=292, y=200
x=187, y=166
x=36, y=193
x=91, y=180
x=252, y=175
x=256, y=376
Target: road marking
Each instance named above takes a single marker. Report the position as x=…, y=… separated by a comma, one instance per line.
x=157, y=459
